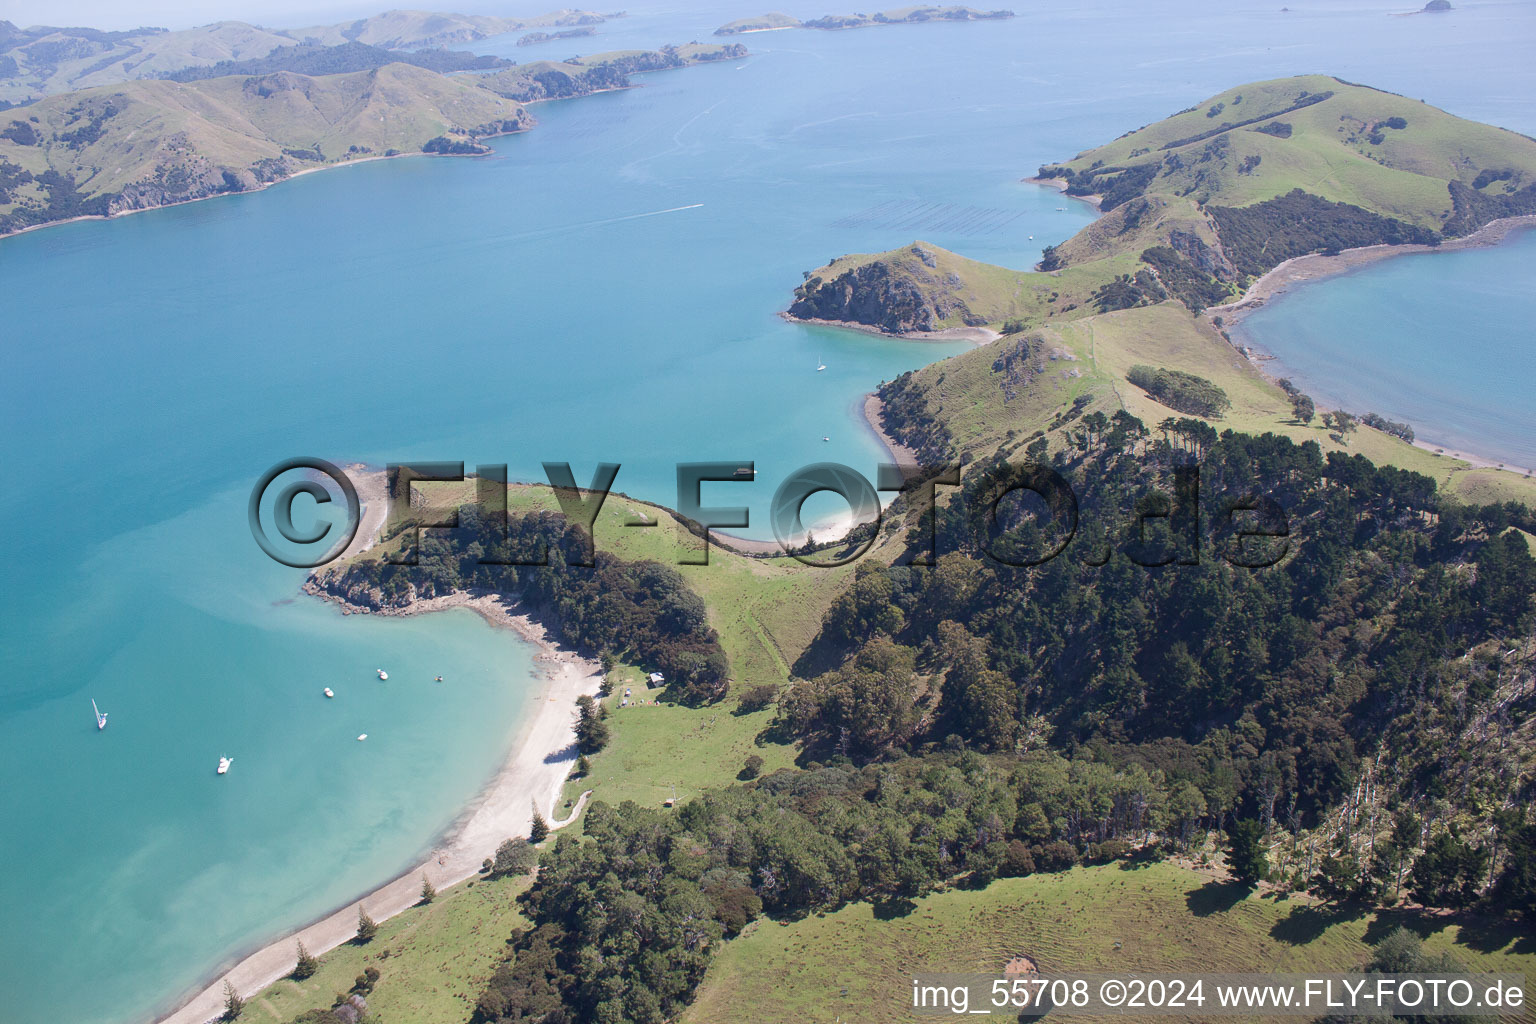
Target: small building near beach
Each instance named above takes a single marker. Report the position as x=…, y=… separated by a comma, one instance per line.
x=657, y=679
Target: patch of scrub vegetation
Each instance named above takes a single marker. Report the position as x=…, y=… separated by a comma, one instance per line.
x=1180, y=391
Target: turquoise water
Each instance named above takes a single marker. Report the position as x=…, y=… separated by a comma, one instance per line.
x=1439, y=340
x=533, y=305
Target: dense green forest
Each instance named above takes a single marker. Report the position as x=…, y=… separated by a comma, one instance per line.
x=1130, y=697
x=643, y=612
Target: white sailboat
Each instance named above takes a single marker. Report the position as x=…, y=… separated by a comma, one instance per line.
x=383, y=674
x=224, y=763
x=820, y=365
x=101, y=716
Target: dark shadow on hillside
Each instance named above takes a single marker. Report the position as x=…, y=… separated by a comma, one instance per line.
x=821, y=656
x=1480, y=933
x=893, y=908
x=565, y=753
x=1306, y=924
x=1216, y=897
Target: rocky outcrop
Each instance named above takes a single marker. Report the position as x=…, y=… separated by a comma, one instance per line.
x=898, y=293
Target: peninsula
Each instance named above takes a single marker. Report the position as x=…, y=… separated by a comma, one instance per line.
x=144, y=144
x=1198, y=209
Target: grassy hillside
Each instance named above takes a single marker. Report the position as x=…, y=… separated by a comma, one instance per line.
x=1196, y=205
x=761, y=23
x=43, y=60
x=1328, y=138
x=143, y=144
x=855, y=963
x=432, y=960
x=1075, y=367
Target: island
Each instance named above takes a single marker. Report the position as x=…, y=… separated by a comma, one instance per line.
x=144, y=144
x=533, y=38
x=905, y=16
x=762, y=23
x=896, y=16
x=1206, y=212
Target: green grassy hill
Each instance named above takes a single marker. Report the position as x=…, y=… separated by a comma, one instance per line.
x=854, y=964
x=1196, y=206
x=1330, y=139
x=144, y=144
x=761, y=23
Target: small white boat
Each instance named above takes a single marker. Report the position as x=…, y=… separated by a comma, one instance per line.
x=820, y=365
x=327, y=692
x=383, y=674
x=101, y=716
x=437, y=679
x=224, y=763
x=361, y=737
x=1031, y=238
x=825, y=438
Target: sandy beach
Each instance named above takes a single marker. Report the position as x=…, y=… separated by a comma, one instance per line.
x=543, y=752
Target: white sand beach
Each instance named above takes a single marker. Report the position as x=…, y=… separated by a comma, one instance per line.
x=543, y=753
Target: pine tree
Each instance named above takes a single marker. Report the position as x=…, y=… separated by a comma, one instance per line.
x=540, y=830
x=234, y=1006
x=307, y=965
x=367, y=927
x=428, y=890
x=1245, y=852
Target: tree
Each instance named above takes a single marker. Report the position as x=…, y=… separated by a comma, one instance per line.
x=539, y=831
x=591, y=730
x=1246, y=858
x=752, y=768
x=306, y=966
x=428, y=890
x=367, y=927
x=759, y=697
x=1339, y=879
x=513, y=857
x=1303, y=407
x=583, y=766
x=234, y=1006
x=1448, y=872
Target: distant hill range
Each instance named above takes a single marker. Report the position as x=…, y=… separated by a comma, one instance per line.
x=148, y=143
x=45, y=60
x=896, y=16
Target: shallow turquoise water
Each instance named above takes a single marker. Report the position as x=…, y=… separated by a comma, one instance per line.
x=530, y=306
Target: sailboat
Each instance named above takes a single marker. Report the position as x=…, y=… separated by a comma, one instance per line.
x=383, y=674
x=224, y=763
x=101, y=716
x=820, y=365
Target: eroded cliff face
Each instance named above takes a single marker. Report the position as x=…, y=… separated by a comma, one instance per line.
x=898, y=293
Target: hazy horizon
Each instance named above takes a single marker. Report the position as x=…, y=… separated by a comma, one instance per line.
x=180, y=14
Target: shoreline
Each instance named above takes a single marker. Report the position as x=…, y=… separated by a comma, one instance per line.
x=83, y=218
x=1060, y=185
x=538, y=762
x=976, y=336
x=1315, y=267
x=1302, y=270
